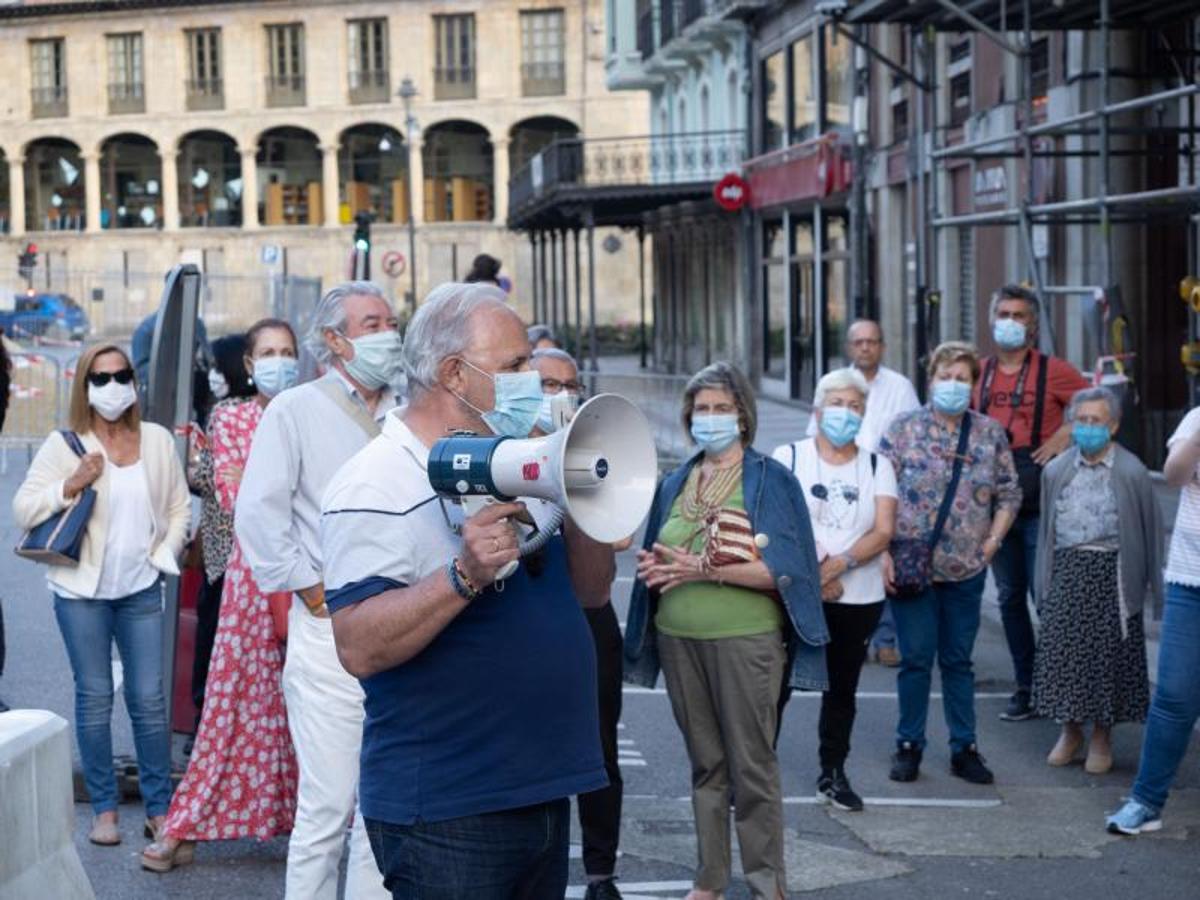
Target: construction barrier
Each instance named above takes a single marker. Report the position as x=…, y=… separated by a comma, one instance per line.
x=37, y=400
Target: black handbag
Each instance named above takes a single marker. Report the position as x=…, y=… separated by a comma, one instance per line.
x=912, y=558
x=58, y=541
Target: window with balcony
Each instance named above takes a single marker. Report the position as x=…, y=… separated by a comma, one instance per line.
x=285, y=65
x=205, y=89
x=48, y=64
x=804, y=93
x=454, y=64
x=1039, y=65
x=370, y=80
x=838, y=69
x=126, y=86
x=960, y=98
x=543, y=67
x=774, y=98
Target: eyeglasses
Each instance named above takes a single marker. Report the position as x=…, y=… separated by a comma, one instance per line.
x=100, y=379
x=865, y=342
x=553, y=386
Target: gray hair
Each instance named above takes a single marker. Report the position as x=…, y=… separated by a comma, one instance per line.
x=723, y=376
x=553, y=353
x=442, y=328
x=847, y=379
x=1016, y=292
x=540, y=333
x=331, y=315
x=1091, y=395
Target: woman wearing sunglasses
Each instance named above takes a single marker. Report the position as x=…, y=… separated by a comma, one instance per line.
x=134, y=536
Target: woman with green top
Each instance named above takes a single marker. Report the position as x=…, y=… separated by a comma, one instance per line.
x=728, y=601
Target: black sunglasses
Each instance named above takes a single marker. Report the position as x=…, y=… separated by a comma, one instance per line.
x=100, y=379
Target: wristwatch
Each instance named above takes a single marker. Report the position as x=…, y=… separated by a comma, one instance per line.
x=850, y=561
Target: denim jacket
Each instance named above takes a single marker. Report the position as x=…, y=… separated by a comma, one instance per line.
x=777, y=510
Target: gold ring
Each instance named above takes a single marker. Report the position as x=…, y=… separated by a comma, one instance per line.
x=495, y=545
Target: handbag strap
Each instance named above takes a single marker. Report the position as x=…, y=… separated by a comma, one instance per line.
x=959, y=454
x=342, y=399
x=1039, y=401
x=73, y=442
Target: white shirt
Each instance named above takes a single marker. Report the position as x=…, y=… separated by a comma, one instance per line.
x=891, y=394
x=301, y=442
x=847, y=511
x=1183, y=561
x=126, y=568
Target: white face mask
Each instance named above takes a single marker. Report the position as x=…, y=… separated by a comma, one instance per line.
x=112, y=400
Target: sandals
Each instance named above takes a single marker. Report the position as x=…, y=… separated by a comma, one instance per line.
x=104, y=834
x=159, y=858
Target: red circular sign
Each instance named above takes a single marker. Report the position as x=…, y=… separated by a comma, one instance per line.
x=732, y=192
x=394, y=263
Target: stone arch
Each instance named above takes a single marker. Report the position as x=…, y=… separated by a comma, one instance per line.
x=289, y=176
x=459, y=173
x=209, y=169
x=530, y=136
x=372, y=173
x=55, y=198
x=130, y=182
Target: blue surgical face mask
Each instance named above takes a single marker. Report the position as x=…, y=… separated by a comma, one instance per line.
x=840, y=424
x=950, y=397
x=376, y=360
x=1091, y=439
x=518, y=402
x=1009, y=334
x=715, y=433
x=546, y=419
x=275, y=374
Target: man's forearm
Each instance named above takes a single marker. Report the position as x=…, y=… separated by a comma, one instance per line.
x=391, y=628
x=592, y=565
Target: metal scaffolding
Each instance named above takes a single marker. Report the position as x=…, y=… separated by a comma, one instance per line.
x=1000, y=22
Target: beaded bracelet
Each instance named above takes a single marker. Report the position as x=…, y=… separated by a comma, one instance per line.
x=460, y=582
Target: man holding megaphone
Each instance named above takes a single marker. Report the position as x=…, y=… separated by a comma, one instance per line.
x=481, y=714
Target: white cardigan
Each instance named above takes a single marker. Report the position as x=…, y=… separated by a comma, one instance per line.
x=41, y=495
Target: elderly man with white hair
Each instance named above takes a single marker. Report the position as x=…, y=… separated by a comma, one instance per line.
x=305, y=436
x=851, y=498
x=481, y=715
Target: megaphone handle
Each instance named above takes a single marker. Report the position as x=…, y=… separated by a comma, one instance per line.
x=475, y=503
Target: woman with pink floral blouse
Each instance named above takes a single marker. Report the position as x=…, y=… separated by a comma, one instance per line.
x=241, y=780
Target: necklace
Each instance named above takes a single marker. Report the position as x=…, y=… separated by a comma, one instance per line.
x=701, y=504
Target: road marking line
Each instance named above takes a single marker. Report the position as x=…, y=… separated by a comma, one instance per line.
x=625, y=742
x=816, y=695
x=931, y=802
x=635, y=763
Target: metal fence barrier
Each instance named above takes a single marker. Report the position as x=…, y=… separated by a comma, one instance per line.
x=37, y=402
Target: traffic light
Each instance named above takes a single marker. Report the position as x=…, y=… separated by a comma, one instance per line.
x=27, y=261
x=362, y=246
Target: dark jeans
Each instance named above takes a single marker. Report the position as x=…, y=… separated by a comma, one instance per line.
x=208, y=612
x=850, y=629
x=939, y=624
x=600, y=811
x=1176, y=704
x=518, y=854
x=1013, y=569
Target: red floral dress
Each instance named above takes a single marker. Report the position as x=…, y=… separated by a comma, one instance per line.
x=241, y=780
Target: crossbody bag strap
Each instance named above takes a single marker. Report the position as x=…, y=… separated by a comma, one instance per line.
x=985, y=390
x=959, y=455
x=1039, y=402
x=342, y=399
x=73, y=442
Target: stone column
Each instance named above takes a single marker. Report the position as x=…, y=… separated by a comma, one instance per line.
x=500, y=180
x=16, y=196
x=169, y=185
x=91, y=190
x=249, y=187
x=329, y=185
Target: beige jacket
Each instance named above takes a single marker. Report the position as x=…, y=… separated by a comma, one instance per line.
x=41, y=495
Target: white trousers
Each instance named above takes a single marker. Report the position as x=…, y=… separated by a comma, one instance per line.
x=325, y=717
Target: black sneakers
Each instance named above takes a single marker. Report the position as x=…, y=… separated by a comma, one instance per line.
x=1019, y=707
x=906, y=762
x=834, y=787
x=602, y=890
x=969, y=766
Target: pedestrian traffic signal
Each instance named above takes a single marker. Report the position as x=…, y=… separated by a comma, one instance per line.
x=27, y=261
x=362, y=232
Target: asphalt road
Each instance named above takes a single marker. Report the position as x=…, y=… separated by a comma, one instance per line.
x=1037, y=833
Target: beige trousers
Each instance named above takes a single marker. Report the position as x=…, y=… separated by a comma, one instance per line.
x=724, y=694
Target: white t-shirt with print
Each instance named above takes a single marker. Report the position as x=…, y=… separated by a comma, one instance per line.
x=1183, y=562
x=847, y=511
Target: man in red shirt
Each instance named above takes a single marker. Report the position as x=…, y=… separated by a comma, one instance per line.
x=1027, y=392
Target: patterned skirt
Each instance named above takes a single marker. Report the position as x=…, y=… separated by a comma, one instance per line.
x=1085, y=670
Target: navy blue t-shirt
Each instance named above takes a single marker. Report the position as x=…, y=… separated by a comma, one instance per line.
x=498, y=712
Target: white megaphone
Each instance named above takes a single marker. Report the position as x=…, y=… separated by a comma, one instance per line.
x=601, y=468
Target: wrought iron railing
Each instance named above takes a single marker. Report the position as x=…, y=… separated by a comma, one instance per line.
x=645, y=34
x=285, y=90
x=205, y=93
x=370, y=86
x=543, y=79
x=453, y=82
x=49, y=102
x=612, y=162
x=126, y=97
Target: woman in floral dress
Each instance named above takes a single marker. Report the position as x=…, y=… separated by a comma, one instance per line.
x=241, y=779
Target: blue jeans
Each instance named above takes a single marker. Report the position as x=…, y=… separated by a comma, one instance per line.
x=941, y=623
x=88, y=629
x=518, y=854
x=1176, y=704
x=1013, y=568
x=885, y=631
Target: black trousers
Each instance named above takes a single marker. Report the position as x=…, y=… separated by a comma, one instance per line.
x=600, y=811
x=850, y=630
x=208, y=613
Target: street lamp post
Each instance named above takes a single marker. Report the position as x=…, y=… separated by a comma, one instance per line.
x=407, y=92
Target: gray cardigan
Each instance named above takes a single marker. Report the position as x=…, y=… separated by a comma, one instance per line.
x=1140, y=542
